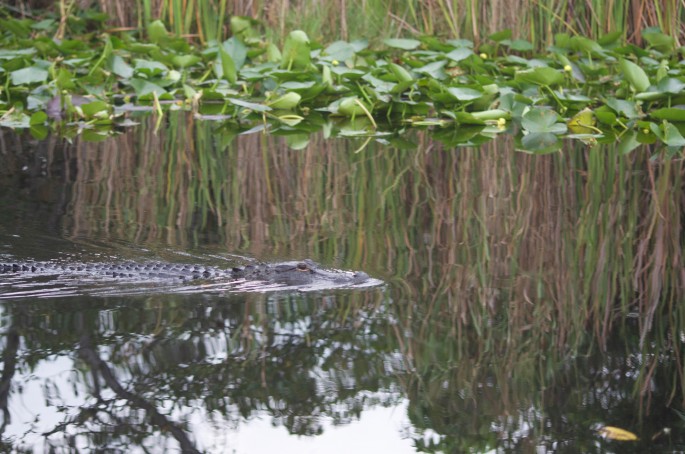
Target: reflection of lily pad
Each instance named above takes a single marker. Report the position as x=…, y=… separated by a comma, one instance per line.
x=540, y=143
x=542, y=121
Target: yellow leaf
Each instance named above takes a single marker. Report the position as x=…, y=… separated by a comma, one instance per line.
x=583, y=122
x=615, y=433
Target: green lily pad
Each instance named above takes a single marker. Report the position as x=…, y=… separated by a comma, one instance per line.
x=406, y=44
x=539, y=120
x=623, y=107
x=459, y=54
x=542, y=75
x=671, y=85
x=636, y=76
x=672, y=136
x=296, y=51
x=464, y=93
x=30, y=75
x=669, y=113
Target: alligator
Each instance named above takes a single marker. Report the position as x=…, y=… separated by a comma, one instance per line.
x=291, y=274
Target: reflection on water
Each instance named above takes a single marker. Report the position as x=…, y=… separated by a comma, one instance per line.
x=528, y=299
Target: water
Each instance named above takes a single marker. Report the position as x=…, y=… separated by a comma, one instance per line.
x=528, y=301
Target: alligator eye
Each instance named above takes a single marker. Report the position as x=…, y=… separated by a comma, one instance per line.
x=302, y=267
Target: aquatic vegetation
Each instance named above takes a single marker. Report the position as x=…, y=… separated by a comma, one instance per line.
x=591, y=90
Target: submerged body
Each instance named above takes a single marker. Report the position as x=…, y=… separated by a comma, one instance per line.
x=291, y=274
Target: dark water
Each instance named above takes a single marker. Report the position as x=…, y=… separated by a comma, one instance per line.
x=527, y=301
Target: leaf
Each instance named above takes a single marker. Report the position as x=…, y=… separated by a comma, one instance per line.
x=542, y=75
x=156, y=32
x=519, y=44
x=30, y=75
x=183, y=61
x=669, y=113
x=671, y=85
x=285, y=102
x=623, y=107
x=658, y=40
x=91, y=109
x=296, y=51
x=672, y=136
x=636, y=76
x=542, y=120
x=464, y=93
x=38, y=118
x=340, y=50
x=121, y=68
x=237, y=50
x=249, y=105
x=583, y=122
x=628, y=142
x=406, y=44
x=459, y=54
x=228, y=71
x=501, y=35
x=616, y=433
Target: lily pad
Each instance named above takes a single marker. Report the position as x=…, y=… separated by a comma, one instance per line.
x=636, y=76
x=539, y=120
x=541, y=75
x=406, y=44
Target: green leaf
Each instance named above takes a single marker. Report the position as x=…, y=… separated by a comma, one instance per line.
x=30, y=75
x=121, y=68
x=91, y=109
x=249, y=105
x=542, y=121
x=519, y=44
x=296, y=51
x=38, y=118
x=623, y=107
x=669, y=113
x=464, y=93
x=406, y=44
x=237, y=50
x=628, y=142
x=542, y=75
x=501, y=35
x=657, y=40
x=143, y=87
x=671, y=85
x=285, y=102
x=183, y=61
x=156, y=32
x=228, y=71
x=585, y=45
x=636, y=76
x=340, y=50
x=672, y=136
x=459, y=54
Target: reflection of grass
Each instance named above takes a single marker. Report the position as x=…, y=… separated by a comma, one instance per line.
x=502, y=254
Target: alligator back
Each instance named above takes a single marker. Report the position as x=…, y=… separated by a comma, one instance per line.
x=290, y=274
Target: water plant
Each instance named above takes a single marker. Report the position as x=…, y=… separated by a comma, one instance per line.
x=626, y=93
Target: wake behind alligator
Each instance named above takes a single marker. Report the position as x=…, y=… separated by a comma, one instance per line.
x=59, y=279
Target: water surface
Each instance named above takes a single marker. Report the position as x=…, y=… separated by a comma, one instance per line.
x=527, y=301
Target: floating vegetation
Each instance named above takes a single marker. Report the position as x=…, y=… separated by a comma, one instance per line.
x=590, y=90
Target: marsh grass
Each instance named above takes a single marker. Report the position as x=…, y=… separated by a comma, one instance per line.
x=326, y=21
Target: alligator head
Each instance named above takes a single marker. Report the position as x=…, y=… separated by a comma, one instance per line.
x=302, y=273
